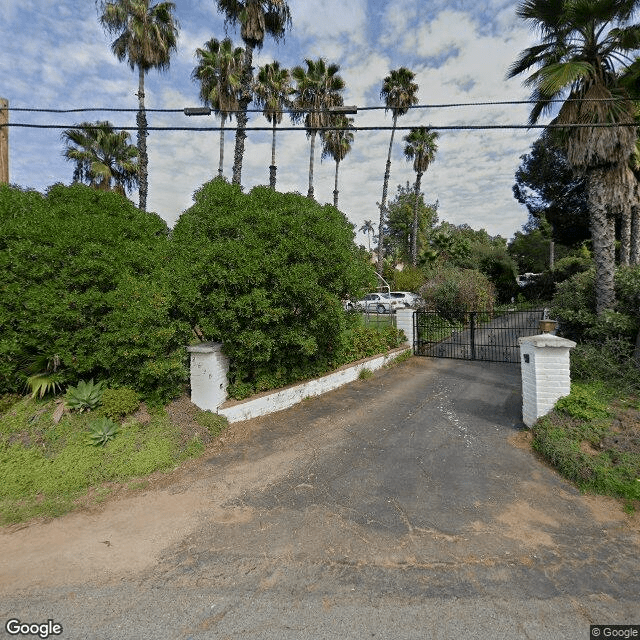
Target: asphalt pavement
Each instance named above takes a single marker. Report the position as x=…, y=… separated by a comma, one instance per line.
x=409, y=505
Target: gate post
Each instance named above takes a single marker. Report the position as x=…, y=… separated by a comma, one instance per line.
x=405, y=321
x=209, y=367
x=473, y=334
x=544, y=362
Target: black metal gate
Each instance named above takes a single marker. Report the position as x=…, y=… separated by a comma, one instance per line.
x=473, y=335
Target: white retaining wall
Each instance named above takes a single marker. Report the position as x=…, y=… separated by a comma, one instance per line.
x=209, y=369
x=544, y=362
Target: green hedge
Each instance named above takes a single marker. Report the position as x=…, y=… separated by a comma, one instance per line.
x=83, y=285
x=265, y=273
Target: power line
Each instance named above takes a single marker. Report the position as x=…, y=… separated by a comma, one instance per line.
x=444, y=105
x=432, y=127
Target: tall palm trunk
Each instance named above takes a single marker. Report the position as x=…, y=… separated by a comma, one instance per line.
x=221, y=162
x=335, y=186
x=625, y=234
x=311, y=154
x=242, y=119
x=383, y=203
x=143, y=158
x=603, y=237
x=273, y=168
x=634, y=257
x=414, y=230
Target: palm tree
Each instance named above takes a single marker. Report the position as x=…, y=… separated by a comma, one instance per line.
x=367, y=228
x=317, y=89
x=147, y=35
x=399, y=93
x=584, y=45
x=104, y=158
x=257, y=18
x=337, y=144
x=219, y=72
x=273, y=91
x=421, y=147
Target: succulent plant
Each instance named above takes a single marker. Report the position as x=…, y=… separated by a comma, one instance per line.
x=85, y=396
x=102, y=430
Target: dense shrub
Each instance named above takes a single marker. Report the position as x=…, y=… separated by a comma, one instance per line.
x=117, y=403
x=452, y=288
x=82, y=284
x=409, y=279
x=265, y=273
x=574, y=306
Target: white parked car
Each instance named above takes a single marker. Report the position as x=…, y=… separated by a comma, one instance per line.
x=406, y=297
x=379, y=303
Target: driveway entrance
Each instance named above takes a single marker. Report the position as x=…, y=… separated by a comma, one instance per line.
x=473, y=335
x=406, y=506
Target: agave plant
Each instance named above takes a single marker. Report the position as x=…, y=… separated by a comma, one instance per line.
x=102, y=430
x=85, y=396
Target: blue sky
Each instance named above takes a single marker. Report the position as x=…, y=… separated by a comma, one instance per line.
x=56, y=55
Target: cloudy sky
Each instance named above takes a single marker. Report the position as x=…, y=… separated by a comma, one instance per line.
x=55, y=55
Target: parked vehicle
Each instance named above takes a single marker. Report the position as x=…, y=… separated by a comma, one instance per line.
x=379, y=303
x=406, y=297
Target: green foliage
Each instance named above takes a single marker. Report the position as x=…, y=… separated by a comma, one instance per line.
x=85, y=397
x=213, y=422
x=574, y=306
x=47, y=466
x=102, y=430
x=8, y=400
x=610, y=361
x=265, y=273
x=361, y=341
x=118, y=403
x=409, y=279
x=44, y=375
x=83, y=278
x=452, y=288
x=586, y=402
x=399, y=224
x=365, y=374
x=580, y=439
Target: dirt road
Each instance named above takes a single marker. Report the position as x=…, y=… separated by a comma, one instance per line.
x=405, y=506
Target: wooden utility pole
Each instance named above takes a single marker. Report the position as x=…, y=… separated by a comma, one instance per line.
x=4, y=141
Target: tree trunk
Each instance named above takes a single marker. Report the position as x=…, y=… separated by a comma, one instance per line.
x=311, y=153
x=634, y=257
x=143, y=158
x=603, y=237
x=552, y=253
x=335, y=186
x=414, y=230
x=243, y=104
x=221, y=163
x=625, y=234
x=383, y=203
x=273, y=168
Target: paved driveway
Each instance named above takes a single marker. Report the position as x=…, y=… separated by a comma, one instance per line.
x=405, y=506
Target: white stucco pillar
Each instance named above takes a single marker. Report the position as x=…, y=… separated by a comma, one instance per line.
x=404, y=322
x=544, y=362
x=209, y=367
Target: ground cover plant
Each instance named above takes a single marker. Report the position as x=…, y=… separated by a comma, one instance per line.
x=593, y=438
x=49, y=468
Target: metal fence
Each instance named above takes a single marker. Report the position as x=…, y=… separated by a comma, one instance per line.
x=473, y=335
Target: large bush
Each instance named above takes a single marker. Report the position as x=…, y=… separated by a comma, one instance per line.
x=82, y=288
x=449, y=288
x=574, y=305
x=265, y=273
